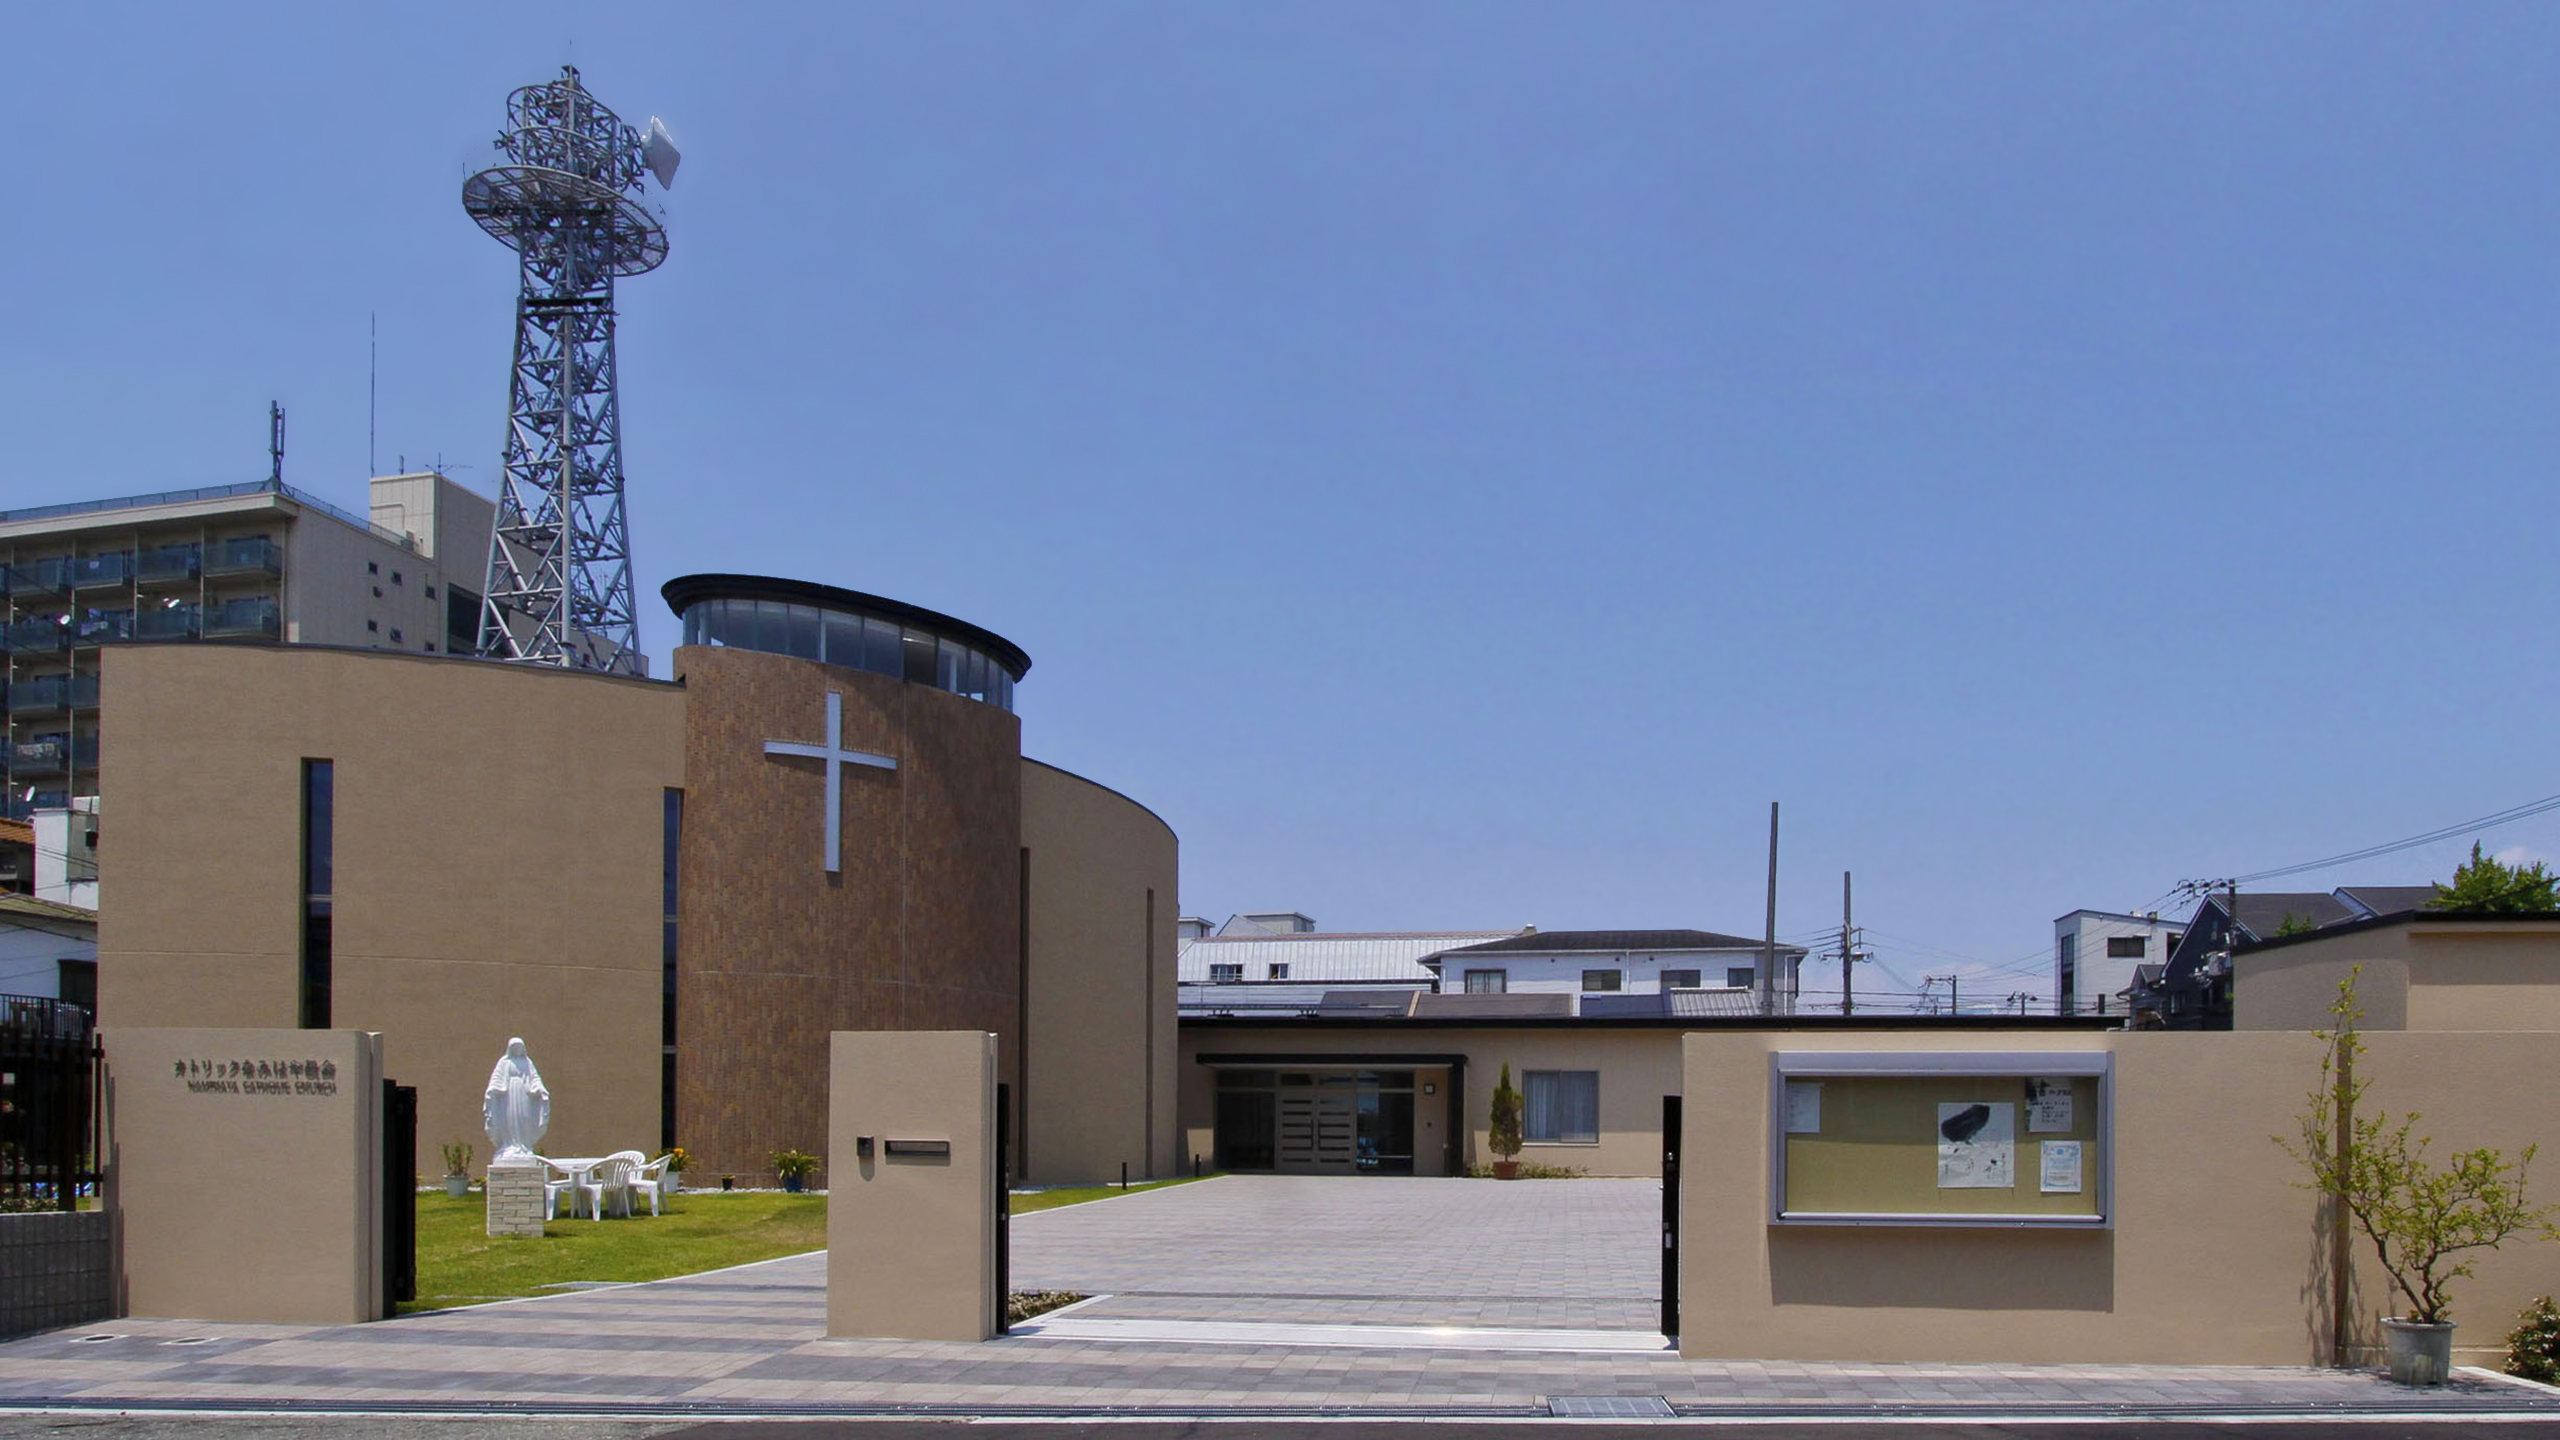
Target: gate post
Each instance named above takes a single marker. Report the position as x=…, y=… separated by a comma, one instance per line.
x=912, y=1240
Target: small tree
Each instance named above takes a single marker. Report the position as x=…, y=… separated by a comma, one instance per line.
x=2485, y=885
x=1503, y=1134
x=2418, y=1215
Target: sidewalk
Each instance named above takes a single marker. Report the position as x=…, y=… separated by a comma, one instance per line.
x=750, y=1341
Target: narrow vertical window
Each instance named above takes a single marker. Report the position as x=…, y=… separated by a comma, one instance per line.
x=670, y=844
x=319, y=826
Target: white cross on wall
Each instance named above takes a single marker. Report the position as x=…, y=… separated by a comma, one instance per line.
x=837, y=757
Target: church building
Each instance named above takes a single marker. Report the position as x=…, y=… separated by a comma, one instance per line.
x=673, y=890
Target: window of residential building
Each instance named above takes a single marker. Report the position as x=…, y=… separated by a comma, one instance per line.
x=1679, y=979
x=1279, y=969
x=1226, y=974
x=2066, y=964
x=1562, y=1107
x=1488, y=982
x=2127, y=947
x=1739, y=977
x=1600, y=980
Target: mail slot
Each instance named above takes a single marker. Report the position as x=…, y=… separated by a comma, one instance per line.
x=938, y=1149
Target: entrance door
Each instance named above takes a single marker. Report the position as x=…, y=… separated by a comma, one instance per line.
x=1319, y=1124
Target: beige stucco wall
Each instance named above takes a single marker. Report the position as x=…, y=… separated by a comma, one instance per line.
x=2216, y=1256
x=1637, y=1068
x=1100, y=1043
x=911, y=1240
x=498, y=849
x=2442, y=975
x=256, y=1200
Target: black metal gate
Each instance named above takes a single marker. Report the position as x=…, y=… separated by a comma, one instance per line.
x=1004, y=1207
x=52, y=1131
x=1671, y=1215
x=399, y=1195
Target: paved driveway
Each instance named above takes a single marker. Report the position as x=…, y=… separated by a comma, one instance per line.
x=1555, y=1254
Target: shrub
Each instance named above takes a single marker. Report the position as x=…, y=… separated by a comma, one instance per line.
x=1503, y=1133
x=2418, y=1213
x=457, y=1157
x=2533, y=1350
x=794, y=1164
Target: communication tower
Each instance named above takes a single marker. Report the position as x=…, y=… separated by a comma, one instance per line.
x=566, y=200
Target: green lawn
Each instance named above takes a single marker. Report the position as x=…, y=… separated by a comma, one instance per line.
x=459, y=1264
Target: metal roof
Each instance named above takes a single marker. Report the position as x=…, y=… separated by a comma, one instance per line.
x=1319, y=958
x=1618, y=942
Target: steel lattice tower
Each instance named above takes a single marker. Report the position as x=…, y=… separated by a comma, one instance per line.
x=559, y=584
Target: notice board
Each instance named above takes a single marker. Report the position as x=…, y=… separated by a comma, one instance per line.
x=1940, y=1138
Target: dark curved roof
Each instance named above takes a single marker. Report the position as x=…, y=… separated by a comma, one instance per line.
x=686, y=589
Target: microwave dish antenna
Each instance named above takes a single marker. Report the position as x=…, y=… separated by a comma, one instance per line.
x=567, y=201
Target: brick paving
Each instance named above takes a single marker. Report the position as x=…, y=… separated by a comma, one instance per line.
x=1580, y=1254
x=750, y=1339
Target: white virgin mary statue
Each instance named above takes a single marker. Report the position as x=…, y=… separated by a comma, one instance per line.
x=516, y=1107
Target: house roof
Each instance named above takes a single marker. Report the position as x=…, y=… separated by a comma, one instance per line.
x=1614, y=942
x=31, y=908
x=2388, y=899
x=2263, y=914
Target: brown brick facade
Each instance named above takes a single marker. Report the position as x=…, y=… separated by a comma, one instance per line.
x=920, y=931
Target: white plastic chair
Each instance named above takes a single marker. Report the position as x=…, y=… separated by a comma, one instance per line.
x=652, y=1179
x=610, y=1180
x=562, y=1180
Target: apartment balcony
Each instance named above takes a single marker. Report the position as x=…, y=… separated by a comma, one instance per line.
x=53, y=694
x=251, y=617
x=44, y=752
x=34, y=579
x=101, y=627
x=101, y=572
x=36, y=635
x=254, y=556
x=169, y=565
x=20, y=806
x=170, y=622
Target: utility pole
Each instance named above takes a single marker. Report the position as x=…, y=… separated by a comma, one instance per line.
x=1955, y=1002
x=1848, y=952
x=1769, y=945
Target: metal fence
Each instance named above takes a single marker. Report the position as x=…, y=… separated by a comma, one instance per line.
x=51, y=1118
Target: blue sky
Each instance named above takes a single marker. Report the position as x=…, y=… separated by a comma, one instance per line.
x=1459, y=463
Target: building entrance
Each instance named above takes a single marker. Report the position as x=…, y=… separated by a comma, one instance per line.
x=1335, y=1120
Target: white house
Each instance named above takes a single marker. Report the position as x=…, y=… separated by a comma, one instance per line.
x=2095, y=953
x=1588, y=964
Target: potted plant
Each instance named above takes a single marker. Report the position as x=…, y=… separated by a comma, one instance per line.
x=2418, y=1214
x=676, y=1161
x=457, y=1168
x=1502, y=1136
x=795, y=1167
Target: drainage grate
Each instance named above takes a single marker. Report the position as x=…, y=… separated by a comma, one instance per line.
x=1610, y=1407
x=93, y=1339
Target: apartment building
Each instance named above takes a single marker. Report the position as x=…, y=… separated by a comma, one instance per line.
x=254, y=562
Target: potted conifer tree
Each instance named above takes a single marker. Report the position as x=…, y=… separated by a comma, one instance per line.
x=1502, y=1135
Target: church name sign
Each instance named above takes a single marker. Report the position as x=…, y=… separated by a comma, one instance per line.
x=258, y=1077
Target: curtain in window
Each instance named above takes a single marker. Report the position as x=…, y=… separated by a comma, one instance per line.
x=1562, y=1105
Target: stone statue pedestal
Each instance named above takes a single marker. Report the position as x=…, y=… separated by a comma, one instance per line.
x=516, y=1206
